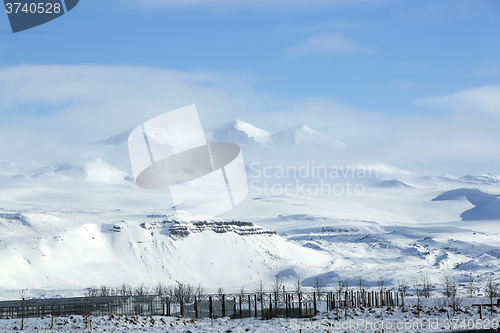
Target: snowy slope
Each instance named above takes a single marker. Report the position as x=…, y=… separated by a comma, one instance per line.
x=244, y=133
x=84, y=222
x=305, y=136
x=74, y=250
x=241, y=132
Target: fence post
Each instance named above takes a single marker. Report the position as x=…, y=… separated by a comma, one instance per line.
x=223, y=305
x=255, y=304
x=195, y=307
x=249, y=306
x=314, y=300
x=284, y=298
x=300, y=306
x=261, y=304
x=270, y=302
x=240, y=306
x=210, y=310
x=287, y=308
x=182, y=306
x=234, y=305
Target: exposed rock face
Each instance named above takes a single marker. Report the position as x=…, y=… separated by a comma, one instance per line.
x=184, y=229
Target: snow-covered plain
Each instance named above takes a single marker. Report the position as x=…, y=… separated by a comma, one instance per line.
x=82, y=223
x=404, y=320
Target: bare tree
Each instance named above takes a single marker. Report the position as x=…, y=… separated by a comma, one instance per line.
x=342, y=285
x=403, y=287
x=450, y=286
x=418, y=293
x=125, y=290
x=160, y=290
x=491, y=291
x=260, y=287
x=319, y=287
x=277, y=287
x=188, y=293
x=52, y=312
x=298, y=285
x=92, y=292
x=200, y=291
x=470, y=287
x=259, y=290
x=451, y=292
x=105, y=291
x=427, y=287
x=114, y=291
x=381, y=285
x=178, y=293
x=361, y=284
x=170, y=290
x=141, y=290
x=23, y=295
x=220, y=293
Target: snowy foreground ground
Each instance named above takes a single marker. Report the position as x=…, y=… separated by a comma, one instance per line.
x=432, y=319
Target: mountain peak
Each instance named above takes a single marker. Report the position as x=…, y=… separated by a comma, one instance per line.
x=304, y=135
x=303, y=128
x=118, y=139
x=242, y=132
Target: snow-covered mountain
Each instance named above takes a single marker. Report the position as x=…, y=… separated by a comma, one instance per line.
x=118, y=139
x=100, y=172
x=240, y=132
x=65, y=250
x=305, y=136
x=243, y=133
x=482, y=178
x=84, y=222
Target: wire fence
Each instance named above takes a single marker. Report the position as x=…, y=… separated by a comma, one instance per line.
x=278, y=304
x=243, y=305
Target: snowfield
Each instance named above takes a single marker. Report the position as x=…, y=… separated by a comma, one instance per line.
x=69, y=226
x=432, y=319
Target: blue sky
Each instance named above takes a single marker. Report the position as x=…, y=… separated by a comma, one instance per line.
x=393, y=51
x=360, y=70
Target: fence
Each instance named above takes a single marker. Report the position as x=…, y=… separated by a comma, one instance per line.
x=85, y=306
x=264, y=305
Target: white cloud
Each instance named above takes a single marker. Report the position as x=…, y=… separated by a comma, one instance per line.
x=64, y=104
x=473, y=100
x=324, y=44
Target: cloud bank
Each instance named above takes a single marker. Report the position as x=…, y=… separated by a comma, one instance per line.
x=44, y=109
